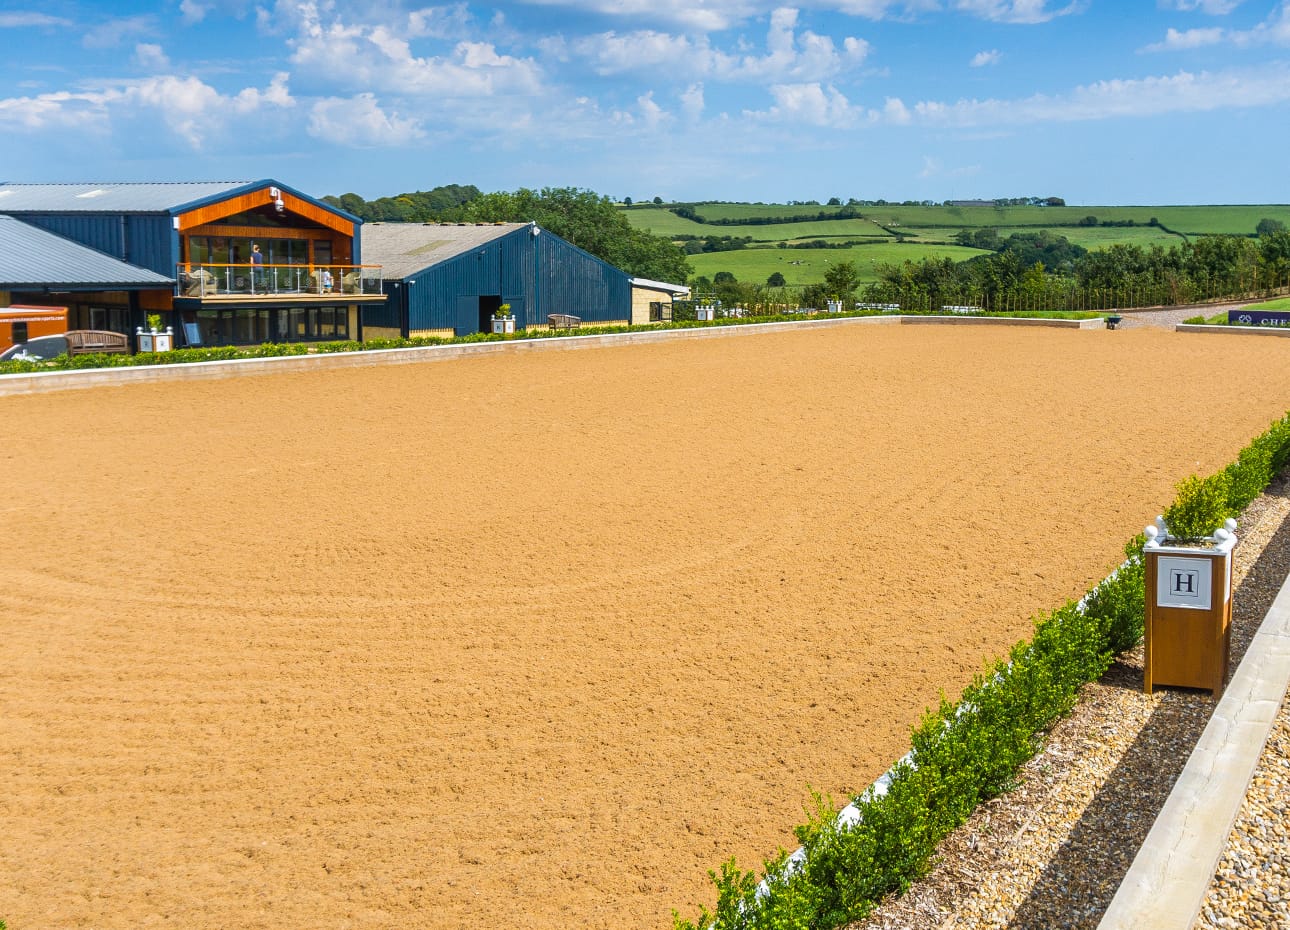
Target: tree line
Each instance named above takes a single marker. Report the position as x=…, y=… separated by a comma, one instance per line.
x=1041, y=271
x=586, y=219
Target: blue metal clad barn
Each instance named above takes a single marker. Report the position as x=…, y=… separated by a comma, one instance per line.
x=147, y=241
x=453, y=277
x=133, y=222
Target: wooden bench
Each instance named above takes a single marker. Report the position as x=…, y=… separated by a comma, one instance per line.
x=92, y=341
x=564, y=320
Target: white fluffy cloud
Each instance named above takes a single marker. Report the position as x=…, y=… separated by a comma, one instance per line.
x=1153, y=96
x=18, y=19
x=192, y=110
x=692, y=102
x=789, y=55
x=377, y=58
x=151, y=57
x=114, y=32
x=193, y=11
x=1275, y=30
x=1015, y=11
x=360, y=122
x=811, y=104
x=981, y=59
x=711, y=16
x=1212, y=7
x=1188, y=39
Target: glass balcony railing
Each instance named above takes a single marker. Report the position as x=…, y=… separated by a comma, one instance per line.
x=208, y=280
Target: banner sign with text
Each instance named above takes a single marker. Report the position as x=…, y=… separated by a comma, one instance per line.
x=1259, y=317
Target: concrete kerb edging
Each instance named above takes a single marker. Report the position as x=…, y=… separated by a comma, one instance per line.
x=42, y=382
x=1167, y=883
x=1231, y=330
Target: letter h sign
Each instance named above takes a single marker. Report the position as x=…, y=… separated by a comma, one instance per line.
x=1183, y=582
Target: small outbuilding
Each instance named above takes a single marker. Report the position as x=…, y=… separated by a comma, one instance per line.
x=449, y=279
x=652, y=300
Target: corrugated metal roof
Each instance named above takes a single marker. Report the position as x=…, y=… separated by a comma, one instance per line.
x=660, y=286
x=32, y=257
x=109, y=197
x=403, y=249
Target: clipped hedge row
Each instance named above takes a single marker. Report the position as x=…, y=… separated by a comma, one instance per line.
x=966, y=753
x=275, y=349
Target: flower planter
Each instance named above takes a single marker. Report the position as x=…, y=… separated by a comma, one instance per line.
x=705, y=314
x=503, y=324
x=1188, y=633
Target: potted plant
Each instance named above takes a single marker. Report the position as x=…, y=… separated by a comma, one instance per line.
x=503, y=320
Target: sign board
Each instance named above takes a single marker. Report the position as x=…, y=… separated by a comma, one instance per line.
x=1251, y=317
x=1183, y=582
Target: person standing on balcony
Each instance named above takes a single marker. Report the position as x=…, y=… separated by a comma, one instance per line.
x=257, y=266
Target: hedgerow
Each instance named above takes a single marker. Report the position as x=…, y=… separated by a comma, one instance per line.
x=965, y=753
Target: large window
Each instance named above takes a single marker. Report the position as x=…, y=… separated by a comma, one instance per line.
x=249, y=327
x=221, y=250
x=116, y=319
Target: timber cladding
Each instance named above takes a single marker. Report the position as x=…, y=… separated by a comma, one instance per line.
x=243, y=203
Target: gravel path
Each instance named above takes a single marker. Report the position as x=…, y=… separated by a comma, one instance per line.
x=1168, y=318
x=1052, y=853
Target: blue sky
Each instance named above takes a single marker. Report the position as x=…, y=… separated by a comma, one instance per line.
x=1100, y=102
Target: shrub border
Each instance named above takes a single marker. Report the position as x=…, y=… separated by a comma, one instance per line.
x=966, y=753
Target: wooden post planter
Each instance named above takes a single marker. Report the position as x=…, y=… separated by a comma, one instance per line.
x=1189, y=609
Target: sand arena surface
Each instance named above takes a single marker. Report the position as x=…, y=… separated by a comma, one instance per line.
x=534, y=641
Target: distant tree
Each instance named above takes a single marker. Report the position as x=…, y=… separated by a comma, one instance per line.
x=1089, y=220
x=658, y=200
x=776, y=280
x=590, y=222
x=723, y=277
x=441, y=203
x=841, y=280
x=814, y=296
x=1268, y=226
x=1274, y=258
x=627, y=201
x=834, y=202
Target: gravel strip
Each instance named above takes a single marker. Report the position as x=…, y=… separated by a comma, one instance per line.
x=1252, y=884
x=1051, y=853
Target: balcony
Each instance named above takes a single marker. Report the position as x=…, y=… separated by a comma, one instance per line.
x=269, y=282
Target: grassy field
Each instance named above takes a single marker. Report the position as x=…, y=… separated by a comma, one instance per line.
x=1239, y=219
x=807, y=266
x=1089, y=237
x=1281, y=303
x=928, y=231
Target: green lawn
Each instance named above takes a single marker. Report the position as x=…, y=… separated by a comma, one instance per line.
x=807, y=266
x=1281, y=303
